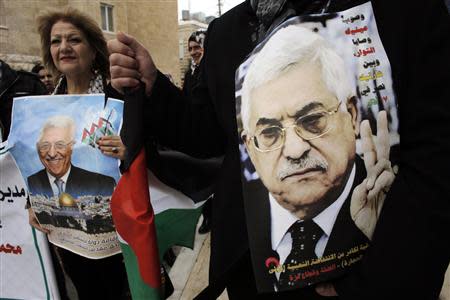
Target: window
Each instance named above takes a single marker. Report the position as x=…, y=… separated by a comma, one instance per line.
x=2, y=15
x=107, y=17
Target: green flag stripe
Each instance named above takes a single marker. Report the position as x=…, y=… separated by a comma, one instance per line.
x=139, y=289
x=176, y=227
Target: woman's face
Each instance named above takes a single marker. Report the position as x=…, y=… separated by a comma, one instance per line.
x=71, y=52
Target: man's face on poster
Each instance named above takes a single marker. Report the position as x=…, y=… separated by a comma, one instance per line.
x=304, y=175
x=55, y=150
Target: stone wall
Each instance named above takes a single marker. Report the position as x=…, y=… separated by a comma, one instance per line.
x=153, y=22
x=20, y=62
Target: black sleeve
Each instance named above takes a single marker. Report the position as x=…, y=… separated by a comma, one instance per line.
x=410, y=250
x=39, y=88
x=184, y=123
x=27, y=84
x=186, y=83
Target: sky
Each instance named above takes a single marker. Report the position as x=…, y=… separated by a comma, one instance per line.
x=209, y=7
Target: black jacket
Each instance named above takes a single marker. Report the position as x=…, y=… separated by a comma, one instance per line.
x=344, y=235
x=191, y=80
x=15, y=84
x=79, y=183
x=409, y=254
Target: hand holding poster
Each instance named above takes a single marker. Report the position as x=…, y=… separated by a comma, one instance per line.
x=54, y=140
x=314, y=175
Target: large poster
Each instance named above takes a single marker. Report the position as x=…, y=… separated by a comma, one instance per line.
x=26, y=270
x=54, y=141
x=318, y=119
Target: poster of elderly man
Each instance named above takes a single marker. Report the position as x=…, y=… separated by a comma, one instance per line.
x=319, y=128
x=70, y=182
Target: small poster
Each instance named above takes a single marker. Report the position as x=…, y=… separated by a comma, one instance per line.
x=317, y=116
x=70, y=182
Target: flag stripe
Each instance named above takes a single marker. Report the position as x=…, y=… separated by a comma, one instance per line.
x=139, y=289
x=134, y=220
x=176, y=227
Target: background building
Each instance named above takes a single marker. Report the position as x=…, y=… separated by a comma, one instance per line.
x=153, y=22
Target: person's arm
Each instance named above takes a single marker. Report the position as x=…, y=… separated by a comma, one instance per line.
x=410, y=250
x=39, y=88
x=184, y=123
x=187, y=124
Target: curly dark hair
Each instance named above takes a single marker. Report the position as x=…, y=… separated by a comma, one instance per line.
x=85, y=24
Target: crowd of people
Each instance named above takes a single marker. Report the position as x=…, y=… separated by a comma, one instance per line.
x=191, y=132
x=75, y=61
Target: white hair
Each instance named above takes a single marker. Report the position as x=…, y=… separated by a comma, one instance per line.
x=59, y=121
x=289, y=47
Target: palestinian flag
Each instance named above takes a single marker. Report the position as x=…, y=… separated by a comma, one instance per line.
x=176, y=215
x=135, y=224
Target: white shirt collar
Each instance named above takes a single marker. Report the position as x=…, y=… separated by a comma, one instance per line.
x=282, y=219
x=52, y=178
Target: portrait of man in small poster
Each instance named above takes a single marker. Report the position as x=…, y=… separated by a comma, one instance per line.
x=70, y=181
x=55, y=147
x=318, y=120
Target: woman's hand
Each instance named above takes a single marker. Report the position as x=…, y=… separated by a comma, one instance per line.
x=112, y=145
x=34, y=222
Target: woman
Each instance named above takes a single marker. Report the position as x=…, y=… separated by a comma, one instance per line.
x=74, y=51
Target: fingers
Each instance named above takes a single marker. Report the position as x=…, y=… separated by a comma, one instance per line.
x=122, y=77
x=116, y=46
x=359, y=199
x=326, y=289
x=34, y=222
x=124, y=71
x=381, y=187
x=130, y=63
x=118, y=72
x=367, y=144
x=118, y=60
x=112, y=146
x=379, y=150
x=361, y=211
x=375, y=171
x=123, y=64
x=129, y=41
x=382, y=141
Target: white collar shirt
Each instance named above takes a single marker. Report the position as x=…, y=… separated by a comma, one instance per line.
x=52, y=179
x=282, y=219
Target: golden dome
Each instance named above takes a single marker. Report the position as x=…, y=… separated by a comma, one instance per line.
x=66, y=200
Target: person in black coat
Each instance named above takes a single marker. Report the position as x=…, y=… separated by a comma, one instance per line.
x=15, y=84
x=416, y=213
x=191, y=80
x=196, y=49
x=45, y=76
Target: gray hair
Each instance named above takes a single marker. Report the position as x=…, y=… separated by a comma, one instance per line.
x=59, y=121
x=287, y=48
